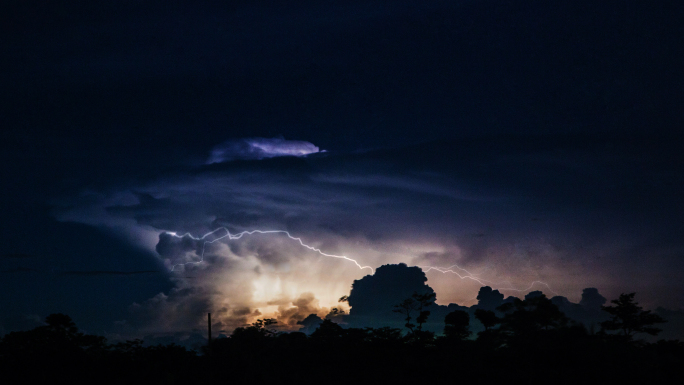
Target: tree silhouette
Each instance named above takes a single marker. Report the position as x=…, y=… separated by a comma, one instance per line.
x=334, y=312
x=531, y=314
x=385, y=336
x=456, y=325
x=417, y=302
x=260, y=326
x=61, y=322
x=328, y=331
x=533, y=345
x=406, y=307
x=257, y=330
x=424, y=301
x=527, y=323
x=628, y=318
x=487, y=317
x=59, y=337
x=489, y=337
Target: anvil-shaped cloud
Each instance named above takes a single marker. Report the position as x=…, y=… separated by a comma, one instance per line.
x=259, y=148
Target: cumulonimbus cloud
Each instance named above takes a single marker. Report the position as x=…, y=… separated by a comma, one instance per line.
x=381, y=208
x=259, y=148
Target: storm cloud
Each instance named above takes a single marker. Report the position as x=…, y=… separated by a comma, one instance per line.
x=440, y=204
x=524, y=146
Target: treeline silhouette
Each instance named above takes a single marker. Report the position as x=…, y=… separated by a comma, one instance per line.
x=523, y=341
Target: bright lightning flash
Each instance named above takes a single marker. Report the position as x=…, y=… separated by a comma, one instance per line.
x=240, y=235
x=443, y=270
x=483, y=282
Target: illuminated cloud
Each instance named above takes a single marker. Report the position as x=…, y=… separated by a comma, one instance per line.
x=179, y=249
x=293, y=312
x=407, y=206
x=259, y=148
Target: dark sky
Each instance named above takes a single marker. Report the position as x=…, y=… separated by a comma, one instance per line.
x=522, y=141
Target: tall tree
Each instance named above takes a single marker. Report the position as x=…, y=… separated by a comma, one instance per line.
x=416, y=303
x=456, y=325
x=487, y=317
x=628, y=318
x=406, y=308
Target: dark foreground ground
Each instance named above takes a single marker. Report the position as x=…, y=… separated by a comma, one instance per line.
x=58, y=353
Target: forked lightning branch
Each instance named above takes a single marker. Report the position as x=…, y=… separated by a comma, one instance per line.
x=225, y=234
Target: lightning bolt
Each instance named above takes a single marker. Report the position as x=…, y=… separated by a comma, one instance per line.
x=251, y=232
x=444, y=270
x=484, y=282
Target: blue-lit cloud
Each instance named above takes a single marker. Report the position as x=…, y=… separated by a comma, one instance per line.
x=259, y=148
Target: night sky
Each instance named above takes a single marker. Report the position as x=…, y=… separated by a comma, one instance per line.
x=535, y=145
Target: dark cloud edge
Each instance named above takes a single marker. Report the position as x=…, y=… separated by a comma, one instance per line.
x=108, y=272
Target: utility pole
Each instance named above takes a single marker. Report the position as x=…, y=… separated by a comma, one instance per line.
x=209, y=333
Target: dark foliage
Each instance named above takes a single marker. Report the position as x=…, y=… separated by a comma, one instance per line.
x=531, y=342
x=417, y=303
x=628, y=318
x=487, y=318
x=58, y=352
x=456, y=325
